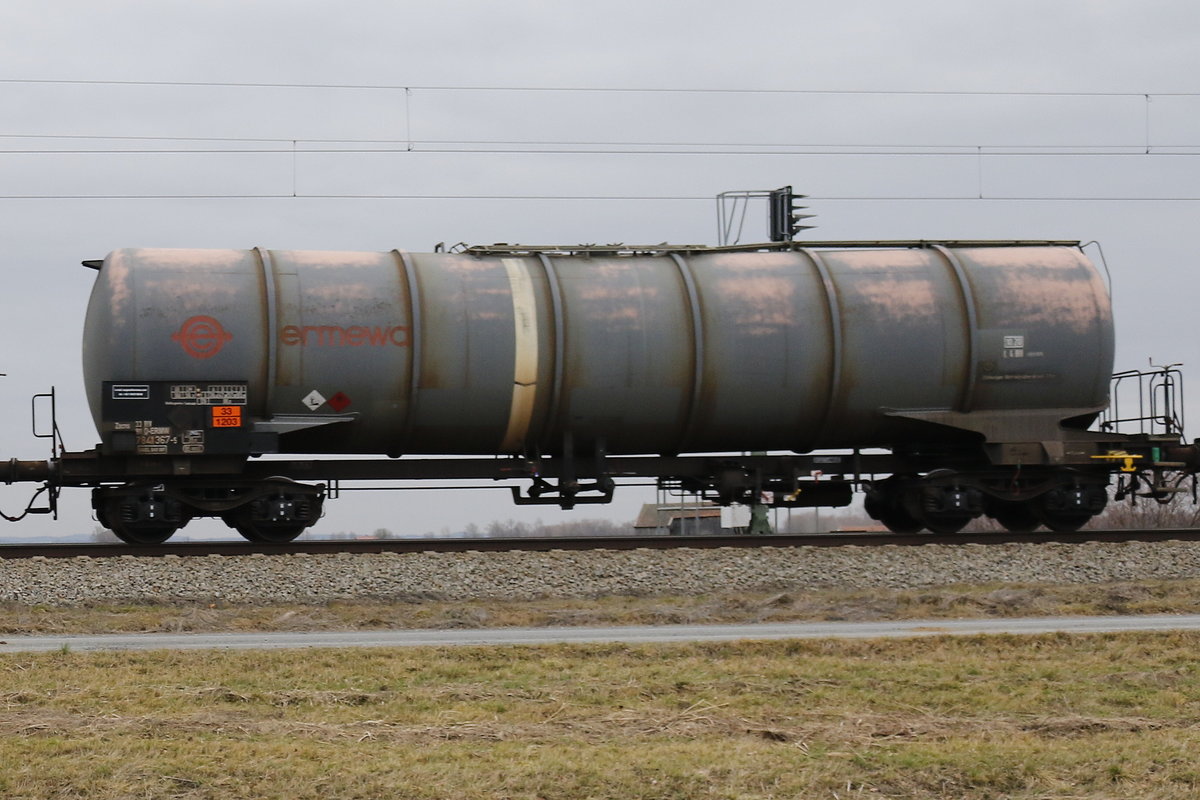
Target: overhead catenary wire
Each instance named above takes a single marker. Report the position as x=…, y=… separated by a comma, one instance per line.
x=733, y=90
x=399, y=145
x=616, y=198
x=409, y=144
x=294, y=150
x=649, y=148
x=551, y=145
x=297, y=148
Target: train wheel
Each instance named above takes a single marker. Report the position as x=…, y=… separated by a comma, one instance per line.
x=1014, y=516
x=884, y=505
x=143, y=534
x=275, y=518
x=937, y=523
x=1068, y=509
x=1064, y=523
x=102, y=515
x=943, y=509
x=139, y=520
x=1061, y=521
x=253, y=531
x=898, y=521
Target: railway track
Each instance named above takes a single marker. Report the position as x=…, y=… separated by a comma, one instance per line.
x=326, y=546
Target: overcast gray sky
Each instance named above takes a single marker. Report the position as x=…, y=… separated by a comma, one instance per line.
x=374, y=125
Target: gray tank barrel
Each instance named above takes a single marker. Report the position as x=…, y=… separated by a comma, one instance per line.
x=676, y=351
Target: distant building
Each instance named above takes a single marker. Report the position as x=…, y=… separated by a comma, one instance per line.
x=680, y=519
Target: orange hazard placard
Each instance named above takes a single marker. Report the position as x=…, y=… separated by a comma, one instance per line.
x=227, y=416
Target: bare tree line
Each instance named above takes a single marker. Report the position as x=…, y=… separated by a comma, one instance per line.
x=503, y=529
x=1179, y=511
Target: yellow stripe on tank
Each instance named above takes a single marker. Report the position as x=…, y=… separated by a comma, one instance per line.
x=525, y=365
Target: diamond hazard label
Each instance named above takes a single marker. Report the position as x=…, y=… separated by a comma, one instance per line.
x=313, y=400
x=339, y=401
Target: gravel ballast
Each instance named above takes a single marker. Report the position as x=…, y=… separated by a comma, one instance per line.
x=305, y=578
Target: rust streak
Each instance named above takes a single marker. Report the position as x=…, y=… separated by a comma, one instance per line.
x=899, y=300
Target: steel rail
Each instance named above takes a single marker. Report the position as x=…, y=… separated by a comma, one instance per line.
x=486, y=544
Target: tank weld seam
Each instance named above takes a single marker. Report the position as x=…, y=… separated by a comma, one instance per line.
x=270, y=301
x=525, y=355
x=408, y=268
x=835, y=345
x=967, y=395
x=698, y=355
x=559, y=334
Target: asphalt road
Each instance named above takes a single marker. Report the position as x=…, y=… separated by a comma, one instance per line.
x=631, y=635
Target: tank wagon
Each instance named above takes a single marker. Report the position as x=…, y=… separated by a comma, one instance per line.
x=952, y=380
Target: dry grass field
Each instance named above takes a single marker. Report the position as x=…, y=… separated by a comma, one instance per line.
x=1106, y=716
x=1112, y=716
x=998, y=600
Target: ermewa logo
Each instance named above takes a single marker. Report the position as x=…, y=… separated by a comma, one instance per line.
x=338, y=336
x=201, y=336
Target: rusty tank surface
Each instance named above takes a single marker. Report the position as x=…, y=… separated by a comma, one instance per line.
x=525, y=351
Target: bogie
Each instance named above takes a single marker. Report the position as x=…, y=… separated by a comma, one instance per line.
x=945, y=501
x=143, y=516
x=275, y=511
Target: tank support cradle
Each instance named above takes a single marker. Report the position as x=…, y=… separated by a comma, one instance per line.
x=565, y=493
